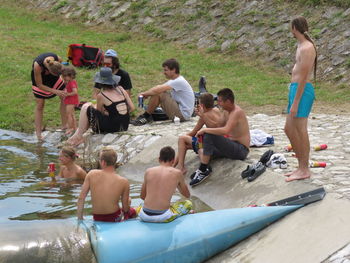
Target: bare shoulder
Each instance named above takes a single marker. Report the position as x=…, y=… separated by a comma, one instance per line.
x=175, y=171
x=93, y=172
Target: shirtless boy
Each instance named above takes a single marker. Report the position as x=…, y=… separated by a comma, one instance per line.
x=231, y=140
x=208, y=116
x=107, y=189
x=301, y=98
x=69, y=169
x=159, y=185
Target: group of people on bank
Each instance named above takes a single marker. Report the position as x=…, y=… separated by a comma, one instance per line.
x=219, y=132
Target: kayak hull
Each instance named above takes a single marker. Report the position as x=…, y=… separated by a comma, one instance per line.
x=190, y=238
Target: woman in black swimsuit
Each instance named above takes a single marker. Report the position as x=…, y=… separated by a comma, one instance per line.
x=111, y=113
x=46, y=84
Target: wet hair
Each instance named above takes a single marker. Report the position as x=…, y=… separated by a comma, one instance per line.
x=54, y=67
x=172, y=64
x=167, y=154
x=115, y=62
x=300, y=24
x=69, y=71
x=69, y=152
x=226, y=94
x=108, y=155
x=207, y=100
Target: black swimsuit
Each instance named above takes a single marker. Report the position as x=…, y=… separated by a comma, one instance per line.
x=49, y=80
x=113, y=122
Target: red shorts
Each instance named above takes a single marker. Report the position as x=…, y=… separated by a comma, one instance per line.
x=116, y=216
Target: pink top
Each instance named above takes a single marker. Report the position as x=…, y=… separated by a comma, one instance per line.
x=69, y=88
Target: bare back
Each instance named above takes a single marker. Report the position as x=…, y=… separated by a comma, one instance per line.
x=304, y=65
x=160, y=184
x=238, y=122
x=214, y=118
x=107, y=189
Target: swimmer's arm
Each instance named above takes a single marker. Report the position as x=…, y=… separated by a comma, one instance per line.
x=182, y=186
x=125, y=197
x=156, y=90
x=83, y=193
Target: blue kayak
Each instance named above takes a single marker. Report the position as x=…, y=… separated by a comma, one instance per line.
x=190, y=238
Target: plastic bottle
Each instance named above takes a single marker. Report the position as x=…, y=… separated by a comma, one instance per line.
x=288, y=148
x=52, y=170
x=318, y=164
x=320, y=147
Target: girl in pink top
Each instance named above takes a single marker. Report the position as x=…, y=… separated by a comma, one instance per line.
x=72, y=99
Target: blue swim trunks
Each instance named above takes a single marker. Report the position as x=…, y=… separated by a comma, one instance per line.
x=306, y=101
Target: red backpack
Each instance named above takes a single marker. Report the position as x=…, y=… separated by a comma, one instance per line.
x=81, y=55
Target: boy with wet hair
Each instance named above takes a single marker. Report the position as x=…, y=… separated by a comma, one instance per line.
x=107, y=189
x=159, y=185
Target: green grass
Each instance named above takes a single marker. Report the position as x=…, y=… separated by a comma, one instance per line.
x=25, y=34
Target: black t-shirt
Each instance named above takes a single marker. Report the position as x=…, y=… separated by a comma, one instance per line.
x=125, y=80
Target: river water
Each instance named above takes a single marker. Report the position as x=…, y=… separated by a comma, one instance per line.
x=37, y=216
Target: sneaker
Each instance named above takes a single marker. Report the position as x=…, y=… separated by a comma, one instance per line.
x=200, y=176
x=194, y=174
x=141, y=120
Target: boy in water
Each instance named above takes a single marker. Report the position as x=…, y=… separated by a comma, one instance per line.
x=69, y=169
x=107, y=189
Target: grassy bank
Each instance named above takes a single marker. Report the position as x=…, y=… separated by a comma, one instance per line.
x=26, y=34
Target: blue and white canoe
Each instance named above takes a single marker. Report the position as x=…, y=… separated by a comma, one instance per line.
x=190, y=238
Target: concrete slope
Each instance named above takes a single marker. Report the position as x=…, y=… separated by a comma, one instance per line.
x=311, y=234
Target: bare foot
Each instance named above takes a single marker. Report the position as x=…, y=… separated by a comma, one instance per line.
x=69, y=131
x=291, y=173
x=299, y=175
x=75, y=141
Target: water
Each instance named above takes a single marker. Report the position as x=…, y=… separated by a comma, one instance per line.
x=26, y=190
x=38, y=216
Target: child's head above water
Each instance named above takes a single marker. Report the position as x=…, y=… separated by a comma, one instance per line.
x=68, y=152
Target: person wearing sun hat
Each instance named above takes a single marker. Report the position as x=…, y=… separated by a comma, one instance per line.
x=111, y=114
x=111, y=60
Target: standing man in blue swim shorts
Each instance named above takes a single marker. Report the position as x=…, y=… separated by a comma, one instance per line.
x=301, y=98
